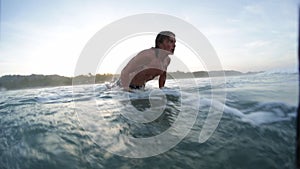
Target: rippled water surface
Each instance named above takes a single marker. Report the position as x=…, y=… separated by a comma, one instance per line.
x=65, y=128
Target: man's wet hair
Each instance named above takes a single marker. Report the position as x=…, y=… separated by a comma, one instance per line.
x=162, y=36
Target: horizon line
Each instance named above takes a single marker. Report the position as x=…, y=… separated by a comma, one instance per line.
x=90, y=74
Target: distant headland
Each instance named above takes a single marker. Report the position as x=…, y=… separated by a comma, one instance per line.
x=13, y=82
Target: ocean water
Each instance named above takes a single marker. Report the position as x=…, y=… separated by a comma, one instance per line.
x=90, y=126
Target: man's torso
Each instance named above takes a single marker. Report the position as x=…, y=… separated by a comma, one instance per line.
x=148, y=72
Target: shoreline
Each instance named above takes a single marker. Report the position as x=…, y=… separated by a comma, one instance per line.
x=15, y=82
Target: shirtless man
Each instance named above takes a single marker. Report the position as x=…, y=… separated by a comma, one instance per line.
x=149, y=63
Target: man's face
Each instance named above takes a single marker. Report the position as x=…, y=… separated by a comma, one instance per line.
x=169, y=44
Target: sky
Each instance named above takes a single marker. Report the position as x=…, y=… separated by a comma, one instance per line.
x=47, y=37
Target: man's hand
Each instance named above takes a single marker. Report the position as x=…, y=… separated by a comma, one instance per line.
x=127, y=89
x=162, y=79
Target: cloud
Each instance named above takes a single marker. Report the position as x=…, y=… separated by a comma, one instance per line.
x=232, y=20
x=257, y=44
x=217, y=31
x=254, y=9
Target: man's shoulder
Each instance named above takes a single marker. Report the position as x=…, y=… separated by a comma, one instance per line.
x=144, y=56
x=147, y=52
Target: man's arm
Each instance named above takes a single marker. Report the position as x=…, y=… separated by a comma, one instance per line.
x=125, y=79
x=162, y=79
